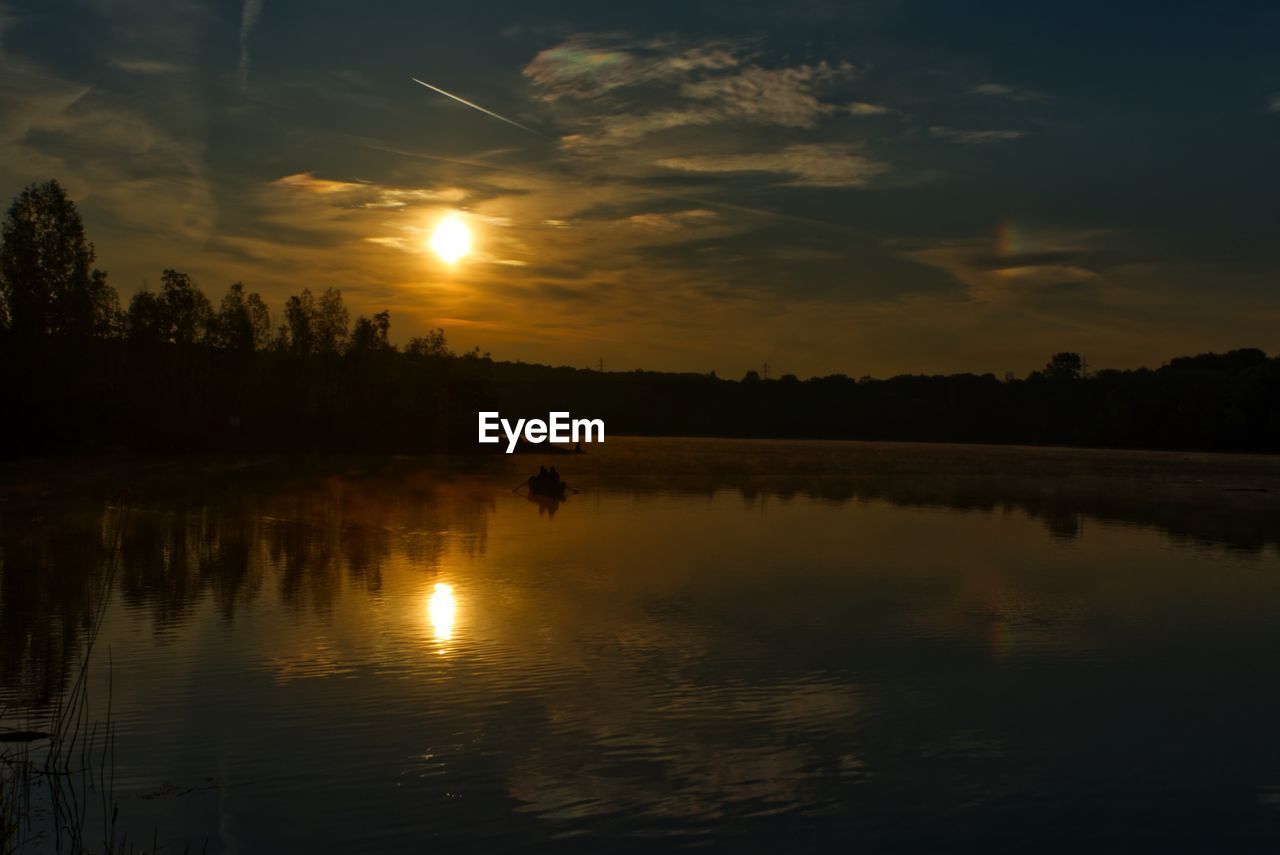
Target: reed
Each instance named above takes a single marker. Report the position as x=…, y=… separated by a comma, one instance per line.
x=51, y=776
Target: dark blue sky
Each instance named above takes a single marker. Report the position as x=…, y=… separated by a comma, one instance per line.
x=871, y=187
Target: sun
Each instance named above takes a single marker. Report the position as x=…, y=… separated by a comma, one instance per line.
x=451, y=239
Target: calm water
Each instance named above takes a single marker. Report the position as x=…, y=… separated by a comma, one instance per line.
x=745, y=645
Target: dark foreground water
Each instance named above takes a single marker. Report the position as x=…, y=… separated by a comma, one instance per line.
x=749, y=646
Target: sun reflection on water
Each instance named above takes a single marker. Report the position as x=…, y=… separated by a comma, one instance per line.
x=441, y=608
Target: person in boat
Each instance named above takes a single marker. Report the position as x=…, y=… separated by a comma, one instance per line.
x=546, y=481
x=542, y=482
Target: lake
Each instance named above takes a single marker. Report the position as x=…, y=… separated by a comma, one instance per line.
x=744, y=645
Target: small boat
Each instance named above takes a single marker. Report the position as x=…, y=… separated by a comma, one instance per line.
x=545, y=487
x=540, y=485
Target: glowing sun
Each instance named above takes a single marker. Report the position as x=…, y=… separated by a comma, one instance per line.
x=451, y=239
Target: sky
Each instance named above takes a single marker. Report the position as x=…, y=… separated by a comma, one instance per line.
x=867, y=188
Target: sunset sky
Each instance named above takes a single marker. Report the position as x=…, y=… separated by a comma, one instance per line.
x=863, y=187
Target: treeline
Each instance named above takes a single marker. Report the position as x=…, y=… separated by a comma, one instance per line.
x=1222, y=402
x=173, y=372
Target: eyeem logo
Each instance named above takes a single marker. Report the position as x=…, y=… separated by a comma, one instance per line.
x=558, y=427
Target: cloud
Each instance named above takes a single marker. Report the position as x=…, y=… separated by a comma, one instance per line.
x=307, y=182
x=1000, y=90
x=147, y=66
x=1274, y=105
x=776, y=96
x=1019, y=263
x=862, y=108
x=623, y=128
x=808, y=164
x=106, y=150
x=587, y=66
x=366, y=194
x=633, y=90
x=975, y=137
x=673, y=220
x=248, y=18
x=305, y=213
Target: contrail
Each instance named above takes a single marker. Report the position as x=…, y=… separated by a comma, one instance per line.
x=248, y=17
x=478, y=107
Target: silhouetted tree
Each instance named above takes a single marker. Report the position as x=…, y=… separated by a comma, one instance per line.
x=370, y=335
x=46, y=279
x=300, y=320
x=1233, y=361
x=243, y=321
x=752, y=376
x=184, y=309
x=259, y=319
x=1064, y=366
x=331, y=322
x=102, y=312
x=279, y=342
x=144, y=322
x=433, y=345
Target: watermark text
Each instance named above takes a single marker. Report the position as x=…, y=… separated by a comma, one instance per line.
x=558, y=428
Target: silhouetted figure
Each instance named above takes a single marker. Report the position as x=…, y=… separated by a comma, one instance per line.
x=546, y=483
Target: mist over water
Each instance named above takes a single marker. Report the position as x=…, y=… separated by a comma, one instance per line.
x=748, y=644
